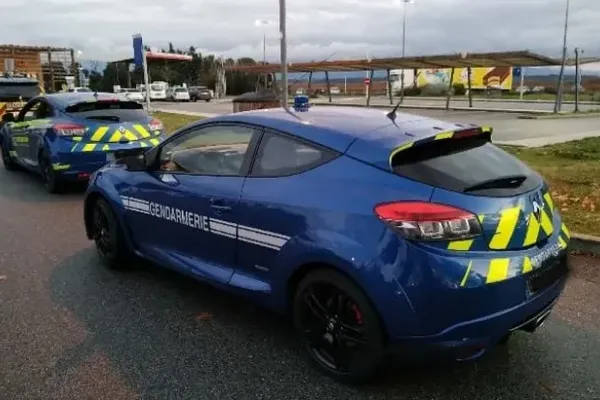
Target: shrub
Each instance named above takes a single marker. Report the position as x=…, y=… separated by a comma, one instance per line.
x=434, y=90
x=459, y=89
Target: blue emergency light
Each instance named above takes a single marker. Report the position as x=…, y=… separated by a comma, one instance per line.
x=301, y=102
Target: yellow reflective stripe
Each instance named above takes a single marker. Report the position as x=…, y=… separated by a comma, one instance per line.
x=89, y=147
x=460, y=245
x=115, y=137
x=498, y=270
x=141, y=130
x=76, y=138
x=129, y=135
x=105, y=147
x=154, y=141
x=547, y=223
x=399, y=149
x=99, y=134
x=467, y=272
x=506, y=228
x=74, y=148
x=549, y=201
x=444, y=135
x=486, y=129
x=533, y=231
x=527, y=267
x=562, y=243
x=143, y=144
x=566, y=231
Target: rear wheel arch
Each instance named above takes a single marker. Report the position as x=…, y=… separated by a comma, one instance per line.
x=88, y=212
x=305, y=269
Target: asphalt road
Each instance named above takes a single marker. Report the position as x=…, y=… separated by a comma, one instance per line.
x=70, y=329
x=507, y=127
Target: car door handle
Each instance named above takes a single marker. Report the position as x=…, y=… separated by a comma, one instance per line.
x=219, y=205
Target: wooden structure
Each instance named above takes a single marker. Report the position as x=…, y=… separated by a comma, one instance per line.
x=49, y=65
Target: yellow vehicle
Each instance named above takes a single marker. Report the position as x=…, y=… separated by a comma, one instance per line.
x=15, y=91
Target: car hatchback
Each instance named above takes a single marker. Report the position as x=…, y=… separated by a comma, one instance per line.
x=375, y=234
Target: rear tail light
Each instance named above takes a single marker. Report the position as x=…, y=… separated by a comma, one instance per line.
x=424, y=221
x=155, y=125
x=69, y=129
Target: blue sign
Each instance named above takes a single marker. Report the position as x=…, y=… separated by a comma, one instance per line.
x=138, y=48
x=517, y=72
x=301, y=103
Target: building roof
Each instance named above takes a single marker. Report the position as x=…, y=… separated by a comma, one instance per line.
x=11, y=47
x=150, y=56
x=502, y=59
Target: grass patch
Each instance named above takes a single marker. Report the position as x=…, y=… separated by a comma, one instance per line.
x=572, y=170
x=173, y=121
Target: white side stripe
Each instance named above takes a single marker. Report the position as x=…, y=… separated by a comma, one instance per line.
x=231, y=230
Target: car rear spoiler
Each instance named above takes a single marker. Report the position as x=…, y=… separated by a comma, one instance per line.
x=480, y=131
x=134, y=152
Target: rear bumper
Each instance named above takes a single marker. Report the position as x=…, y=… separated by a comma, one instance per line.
x=471, y=339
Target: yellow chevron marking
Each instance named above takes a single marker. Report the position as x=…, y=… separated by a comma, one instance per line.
x=547, y=223
x=562, y=243
x=527, y=267
x=76, y=138
x=566, y=231
x=467, y=272
x=460, y=245
x=154, y=141
x=130, y=135
x=99, y=134
x=549, y=201
x=143, y=144
x=444, y=135
x=141, y=130
x=533, y=231
x=89, y=147
x=115, y=137
x=498, y=270
x=105, y=147
x=506, y=228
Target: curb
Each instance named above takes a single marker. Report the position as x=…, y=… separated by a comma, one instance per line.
x=182, y=112
x=585, y=243
x=443, y=108
x=561, y=116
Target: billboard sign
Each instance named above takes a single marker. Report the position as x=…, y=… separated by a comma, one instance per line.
x=138, y=48
x=481, y=78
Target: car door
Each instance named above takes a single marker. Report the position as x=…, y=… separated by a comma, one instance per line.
x=20, y=135
x=36, y=129
x=185, y=211
x=274, y=206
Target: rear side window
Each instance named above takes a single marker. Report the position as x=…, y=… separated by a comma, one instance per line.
x=115, y=111
x=282, y=156
x=470, y=165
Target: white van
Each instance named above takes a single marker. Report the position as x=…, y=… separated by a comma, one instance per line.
x=158, y=90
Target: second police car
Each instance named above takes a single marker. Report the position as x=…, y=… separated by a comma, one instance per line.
x=376, y=234
x=66, y=136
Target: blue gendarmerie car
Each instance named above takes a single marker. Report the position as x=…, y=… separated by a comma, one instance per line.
x=65, y=137
x=376, y=234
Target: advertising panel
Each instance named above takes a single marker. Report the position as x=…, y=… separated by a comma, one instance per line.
x=481, y=78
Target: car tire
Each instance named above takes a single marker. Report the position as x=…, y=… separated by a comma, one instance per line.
x=52, y=181
x=109, y=238
x=9, y=163
x=207, y=100
x=325, y=331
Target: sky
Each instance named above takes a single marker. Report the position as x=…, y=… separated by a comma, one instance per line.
x=334, y=29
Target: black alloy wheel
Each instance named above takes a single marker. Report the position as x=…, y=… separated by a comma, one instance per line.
x=108, y=237
x=51, y=181
x=341, y=331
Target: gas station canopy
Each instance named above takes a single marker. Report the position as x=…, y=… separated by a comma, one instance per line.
x=502, y=59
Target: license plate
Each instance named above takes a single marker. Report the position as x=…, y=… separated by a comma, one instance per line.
x=544, y=277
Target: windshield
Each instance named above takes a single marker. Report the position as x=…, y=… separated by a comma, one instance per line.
x=12, y=91
x=113, y=111
x=180, y=90
x=157, y=88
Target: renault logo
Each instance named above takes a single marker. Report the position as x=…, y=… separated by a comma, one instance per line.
x=537, y=207
x=121, y=129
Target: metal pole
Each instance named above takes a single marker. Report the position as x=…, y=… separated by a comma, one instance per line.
x=469, y=87
x=265, y=54
x=522, y=85
x=283, y=37
x=559, y=89
x=146, y=79
x=576, y=79
x=403, y=48
x=389, y=86
x=450, y=82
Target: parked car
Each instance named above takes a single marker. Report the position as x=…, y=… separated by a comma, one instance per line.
x=200, y=93
x=131, y=95
x=178, y=94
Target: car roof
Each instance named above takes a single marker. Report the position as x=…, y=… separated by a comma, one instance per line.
x=18, y=80
x=66, y=99
x=364, y=132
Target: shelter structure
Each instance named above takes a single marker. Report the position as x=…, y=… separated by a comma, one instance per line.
x=153, y=57
x=49, y=65
x=448, y=61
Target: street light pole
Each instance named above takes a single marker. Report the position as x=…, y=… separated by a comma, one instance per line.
x=403, y=46
x=283, y=50
x=263, y=23
x=559, y=89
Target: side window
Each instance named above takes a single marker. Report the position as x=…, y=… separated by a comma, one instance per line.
x=43, y=111
x=28, y=111
x=213, y=150
x=281, y=156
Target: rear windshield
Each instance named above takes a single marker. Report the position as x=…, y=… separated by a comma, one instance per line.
x=114, y=111
x=157, y=88
x=12, y=91
x=470, y=165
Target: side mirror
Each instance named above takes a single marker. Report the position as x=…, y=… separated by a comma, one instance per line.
x=8, y=117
